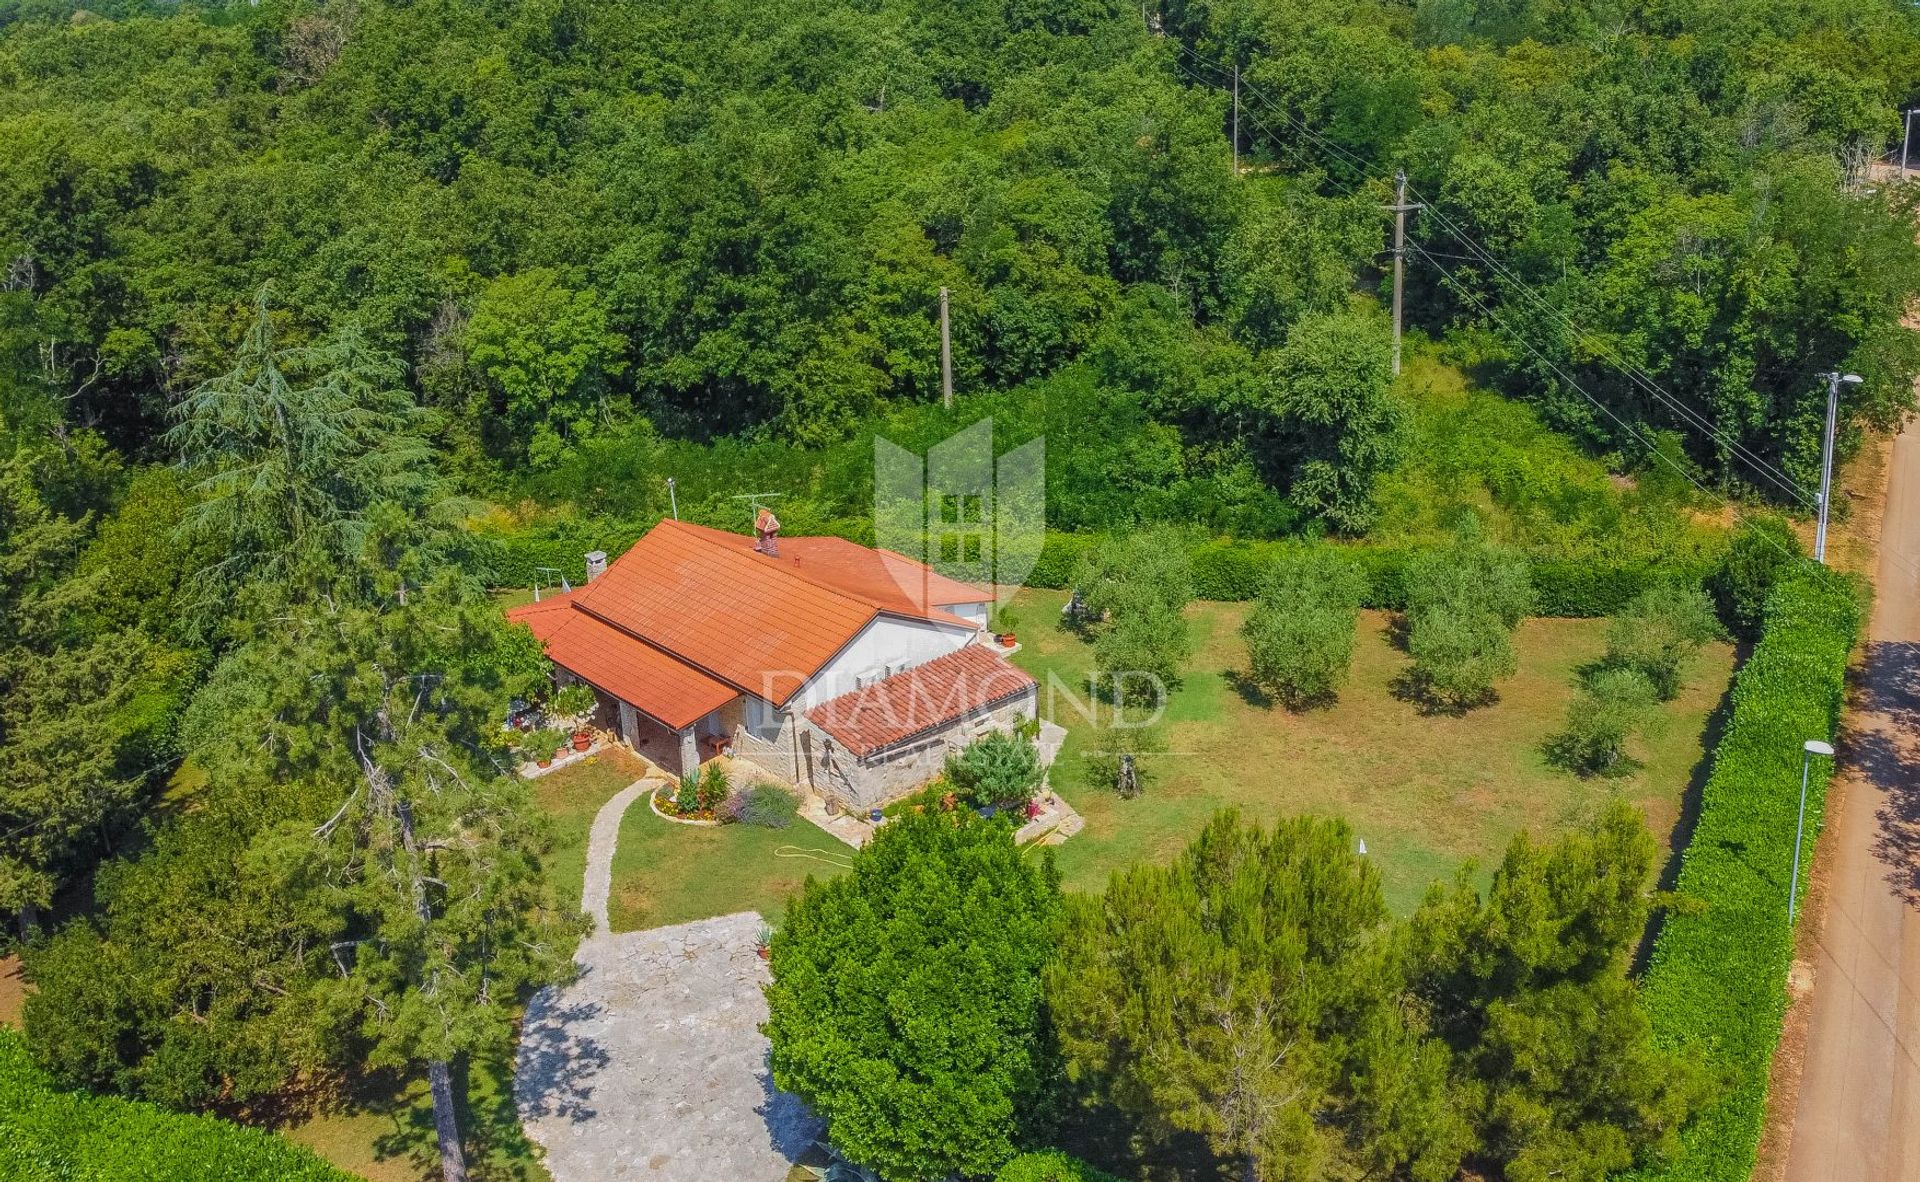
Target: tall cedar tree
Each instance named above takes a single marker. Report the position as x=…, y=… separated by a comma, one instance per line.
x=906, y=1004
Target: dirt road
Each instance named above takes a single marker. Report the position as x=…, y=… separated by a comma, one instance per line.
x=1858, y=1113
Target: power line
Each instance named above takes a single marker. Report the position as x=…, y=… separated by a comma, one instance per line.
x=1689, y=415
x=1632, y=431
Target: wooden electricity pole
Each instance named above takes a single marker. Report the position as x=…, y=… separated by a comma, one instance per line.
x=946, y=354
x=1401, y=207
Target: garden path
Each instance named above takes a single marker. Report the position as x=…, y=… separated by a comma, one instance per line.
x=651, y=1064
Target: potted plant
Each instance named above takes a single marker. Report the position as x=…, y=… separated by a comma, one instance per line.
x=541, y=745
x=574, y=704
x=763, y=943
x=1006, y=640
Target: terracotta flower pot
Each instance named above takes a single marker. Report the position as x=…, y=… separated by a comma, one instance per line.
x=1006, y=640
x=544, y=762
x=582, y=739
x=765, y=952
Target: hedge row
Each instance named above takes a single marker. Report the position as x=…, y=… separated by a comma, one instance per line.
x=1227, y=570
x=1717, y=982
x=48, y=1135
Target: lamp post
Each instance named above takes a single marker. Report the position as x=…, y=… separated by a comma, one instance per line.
x=1826, y=457
x=1809, y=749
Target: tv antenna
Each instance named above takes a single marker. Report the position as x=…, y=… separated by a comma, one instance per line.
x=753, y=499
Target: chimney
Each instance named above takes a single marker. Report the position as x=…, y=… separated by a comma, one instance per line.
x=766, y=528
x=596, y=564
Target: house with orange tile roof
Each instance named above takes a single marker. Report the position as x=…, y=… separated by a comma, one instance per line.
x=841, y=668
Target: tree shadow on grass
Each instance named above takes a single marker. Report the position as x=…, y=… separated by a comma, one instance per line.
x=497, y=1149
x=1410, y=687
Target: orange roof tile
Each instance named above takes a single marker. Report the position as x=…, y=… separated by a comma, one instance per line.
x=907, y=705
x=705, y=599
x=649, y=680
x=885, y=578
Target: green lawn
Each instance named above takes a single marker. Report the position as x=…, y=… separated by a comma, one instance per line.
x=570, y=797
x=664, y=873
x=386, y=1133
x=1425, y=792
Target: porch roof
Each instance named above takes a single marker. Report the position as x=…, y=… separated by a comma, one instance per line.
x=921, y=700
x=651, y=681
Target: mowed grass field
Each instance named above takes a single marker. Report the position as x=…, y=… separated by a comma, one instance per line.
x=1426, y=793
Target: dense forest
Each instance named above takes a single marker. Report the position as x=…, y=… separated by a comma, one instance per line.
x=302, y=299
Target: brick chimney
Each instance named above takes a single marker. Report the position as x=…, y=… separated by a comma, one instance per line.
x=766, y=528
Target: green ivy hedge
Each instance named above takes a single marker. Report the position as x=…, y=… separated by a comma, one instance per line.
x=1588, y=585
x=1717, y=982
x=49, y=1135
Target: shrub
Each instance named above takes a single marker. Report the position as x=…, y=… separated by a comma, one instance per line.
x=686, y=798
x=541, y=744
x=906, y=1005
x=1119, y=575
x=1470, y=573
x=49, y=1135
x=1763, y=549
x=714, y=788
x=1717, y=981
x=766, y=805
x=1052, y=1166
x=1463, y=603
x=1140, y=655
x=996, y=768
x=1659, y=632
x=1300, y=636
x=1600, y=718
x=574, y=700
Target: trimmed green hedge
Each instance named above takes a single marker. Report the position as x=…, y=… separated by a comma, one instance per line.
x=48, y=1135
x=1717, y=982
x=1052, y=1166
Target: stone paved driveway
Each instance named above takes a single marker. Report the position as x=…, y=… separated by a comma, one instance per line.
x=651, y=1065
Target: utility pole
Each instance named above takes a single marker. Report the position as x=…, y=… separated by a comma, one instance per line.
x=673, y=497
x=1826, y=458
x=1905, y=143
x=1400, y=208
x=1236, y=119
x=946, y=354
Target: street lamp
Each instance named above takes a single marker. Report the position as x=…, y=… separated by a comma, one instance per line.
x=1810, y=748
x=1826, y=457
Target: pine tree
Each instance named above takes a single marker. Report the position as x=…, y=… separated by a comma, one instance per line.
x=1247, y=994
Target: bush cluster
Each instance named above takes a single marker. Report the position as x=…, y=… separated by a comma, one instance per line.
x=1717, y=982
x=1052, y=1166
x=48, y=1135
x=766, y=805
